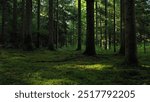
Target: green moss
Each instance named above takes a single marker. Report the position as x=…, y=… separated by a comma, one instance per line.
x=70, y=67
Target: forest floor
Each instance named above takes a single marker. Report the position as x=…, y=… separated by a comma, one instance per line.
x=70, y=67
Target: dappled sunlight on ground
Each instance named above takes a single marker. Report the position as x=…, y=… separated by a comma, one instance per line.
x=69, y=67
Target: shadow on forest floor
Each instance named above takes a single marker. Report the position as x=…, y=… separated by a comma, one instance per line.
x=69, y=67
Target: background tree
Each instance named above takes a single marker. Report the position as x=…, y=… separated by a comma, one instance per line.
x=51, y=29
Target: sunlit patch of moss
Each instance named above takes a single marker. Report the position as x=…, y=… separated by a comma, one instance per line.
x=94, y=66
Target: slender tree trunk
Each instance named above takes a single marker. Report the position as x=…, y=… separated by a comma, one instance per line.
x=57, y=23
x=106, y=26
x=90, y=44
x=101, y=30
x=79, y=25
x=96, y=5
x=114, y=26
x=51, y=26
x=109, y=33
x=130, y=34
x=38, y=23
x=122, y=27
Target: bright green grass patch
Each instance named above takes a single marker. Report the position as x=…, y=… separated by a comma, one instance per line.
x=70, y=67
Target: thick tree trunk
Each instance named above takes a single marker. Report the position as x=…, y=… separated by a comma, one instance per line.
x=79, y=25
x=51, y=26
x=23, y=22
x=4, y=22
x=90, y=44
x=122, y=27
x=13, y=37
x=130, y=34
x=28, y=25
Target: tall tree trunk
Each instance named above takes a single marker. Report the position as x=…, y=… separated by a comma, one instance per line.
x=79, y=25
x=13, y=37
x=57, y=23
x=23, y=23
x=101, y=30
x=96, y=7
x=4, y=22
x=106, y=26
x=28, y=26
x=90, y=44
x=114, y=2
x=38, y=23
x=51, y=26
x=130, y=34
x=122, y=27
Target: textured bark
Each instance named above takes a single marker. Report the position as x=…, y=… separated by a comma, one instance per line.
x=51, y=26
x=114, y=2
x=130, y=34
x=23, y=23
x=122, y=27
x=13, y=37
x=96, y=7
x=90, y=44
x=4, y=22
x=79, y=25
x=106, y=25
x=28, y=25
x=38, y=23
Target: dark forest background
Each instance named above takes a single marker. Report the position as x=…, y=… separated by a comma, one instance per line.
x=74, y=41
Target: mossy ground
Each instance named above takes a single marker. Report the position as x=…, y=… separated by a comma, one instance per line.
x=70, y=67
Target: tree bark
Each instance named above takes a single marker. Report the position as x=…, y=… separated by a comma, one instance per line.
x=38, y=23
x=130, y=34
x=90, y=44
x=51, y=26
x=13, y=37
x=106, y=26
x=79, y=25
x=122, y=27
x=28, y=27
x=4, y=22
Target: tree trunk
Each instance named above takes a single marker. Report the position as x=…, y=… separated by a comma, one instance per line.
x=13, y=37
x=106, y=26
x=90, y=44
x=79, y=25
x=38, y=23
x=23, y=23
x=130, y=34
x=96, y=22
x=51, y=26
x=122, y=27
x=4, y=22
x=114, y=25
x=28, y=25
